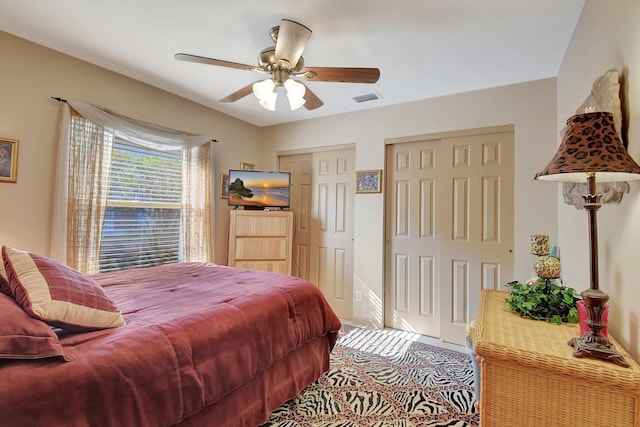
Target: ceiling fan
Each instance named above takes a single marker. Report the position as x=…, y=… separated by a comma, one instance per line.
x=284, y=61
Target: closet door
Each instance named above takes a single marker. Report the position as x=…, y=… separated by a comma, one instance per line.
x=413, y=237
x=323, y=189
x=332, y=227
x=300, y=167
x=449, y=230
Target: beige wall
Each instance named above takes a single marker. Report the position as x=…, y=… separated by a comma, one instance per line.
x=606, y=37
x=530, y=107
x=31, y=74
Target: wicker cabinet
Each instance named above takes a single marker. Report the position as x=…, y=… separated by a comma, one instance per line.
x=530, y=378
x=261, y=240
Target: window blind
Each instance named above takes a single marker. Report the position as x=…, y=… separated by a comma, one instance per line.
x=142, y=220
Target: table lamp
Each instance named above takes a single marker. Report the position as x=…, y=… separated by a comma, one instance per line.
x=591, y=149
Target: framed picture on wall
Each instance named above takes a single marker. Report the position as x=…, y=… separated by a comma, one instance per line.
x=224, y=186
x=368, y=181
x=247, y=166
x=8, y=160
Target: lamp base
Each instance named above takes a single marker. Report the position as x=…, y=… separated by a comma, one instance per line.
x=587, y=346
x=593, y=344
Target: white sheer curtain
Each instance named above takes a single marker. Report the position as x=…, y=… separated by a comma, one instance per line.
x=72, y=240
x=59, y=227
x=138, y=132
x=196, y=204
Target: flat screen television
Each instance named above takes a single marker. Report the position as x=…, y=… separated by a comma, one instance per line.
x=259, y=190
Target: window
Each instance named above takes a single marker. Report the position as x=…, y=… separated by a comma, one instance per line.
x=151, y=205
x=142, y=218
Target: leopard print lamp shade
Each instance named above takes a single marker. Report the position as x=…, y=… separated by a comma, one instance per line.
x=591, y=145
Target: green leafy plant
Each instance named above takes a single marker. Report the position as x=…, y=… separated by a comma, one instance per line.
x=543, y=300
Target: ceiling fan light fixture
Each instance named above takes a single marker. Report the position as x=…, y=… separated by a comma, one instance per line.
x=295, y=93
x=267, y=93
x=283, y=61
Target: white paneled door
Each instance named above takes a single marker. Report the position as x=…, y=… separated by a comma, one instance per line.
x=324, y=187
x=449, y=230
x=300, y=167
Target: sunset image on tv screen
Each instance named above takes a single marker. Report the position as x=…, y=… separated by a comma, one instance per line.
x=259, y=189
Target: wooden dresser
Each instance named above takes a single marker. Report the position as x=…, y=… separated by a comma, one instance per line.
x=261, y=240
x=530, y=378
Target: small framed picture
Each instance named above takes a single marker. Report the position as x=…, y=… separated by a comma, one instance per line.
x=368, y=181
x=247, y=166
x=8, y=160
x=224, y=186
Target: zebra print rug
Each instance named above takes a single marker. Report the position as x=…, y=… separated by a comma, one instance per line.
x=385, y=379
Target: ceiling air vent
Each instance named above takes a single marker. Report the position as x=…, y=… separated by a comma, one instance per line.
x=367, y=97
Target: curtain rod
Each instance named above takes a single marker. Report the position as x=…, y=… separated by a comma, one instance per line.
x=57, y=98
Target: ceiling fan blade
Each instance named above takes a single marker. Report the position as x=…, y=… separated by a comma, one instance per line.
x=239, y=94
x=340, y=74
x=212, y=61
x=292, y=38
x=313, y=101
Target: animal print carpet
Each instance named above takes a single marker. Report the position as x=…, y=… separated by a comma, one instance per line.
x=385, y=379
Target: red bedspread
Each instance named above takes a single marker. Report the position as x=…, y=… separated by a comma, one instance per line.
x=195, y=334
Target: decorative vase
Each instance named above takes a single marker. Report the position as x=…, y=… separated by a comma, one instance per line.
x=547, y=267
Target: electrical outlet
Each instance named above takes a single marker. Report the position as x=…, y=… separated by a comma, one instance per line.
x=358, y=296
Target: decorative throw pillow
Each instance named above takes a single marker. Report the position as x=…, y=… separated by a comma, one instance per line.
x=57, y=294
x=4, y=283
x=23, y=337
x=4, y=286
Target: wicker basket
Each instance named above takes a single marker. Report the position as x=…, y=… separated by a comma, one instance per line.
x=530, y=378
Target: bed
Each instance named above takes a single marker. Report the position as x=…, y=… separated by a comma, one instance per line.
x=203, y=345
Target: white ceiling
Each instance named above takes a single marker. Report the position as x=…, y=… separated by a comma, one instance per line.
x=423, y=48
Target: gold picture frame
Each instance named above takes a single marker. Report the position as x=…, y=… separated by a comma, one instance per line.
x=369, y=181
x=223, y=192
x=8, y=160
x=247, y=166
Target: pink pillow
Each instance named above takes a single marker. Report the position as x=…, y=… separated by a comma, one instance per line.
x=57, y=294
x=23, y=337
x=4, y=284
